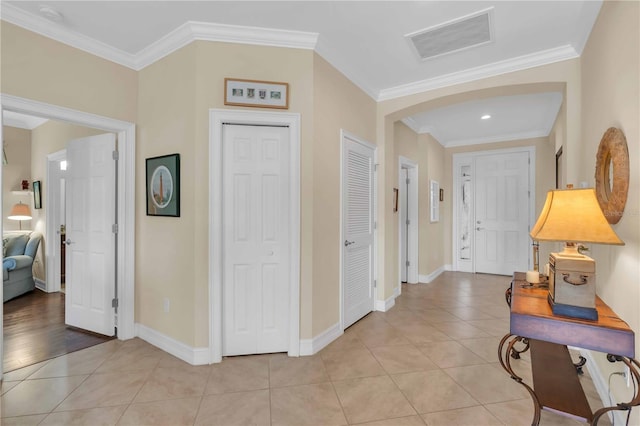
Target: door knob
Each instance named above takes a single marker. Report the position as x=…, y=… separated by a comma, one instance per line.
x=479, y=229
x=68, y=242
x=348, y=243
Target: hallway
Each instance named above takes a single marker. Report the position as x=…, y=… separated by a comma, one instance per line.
x=432, y=359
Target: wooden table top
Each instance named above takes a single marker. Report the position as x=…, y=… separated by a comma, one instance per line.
x=531, y=317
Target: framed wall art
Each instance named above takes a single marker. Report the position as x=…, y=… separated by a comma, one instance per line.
x=37, y=195
x=255, y=93
x=434, y=198
x=163, y=185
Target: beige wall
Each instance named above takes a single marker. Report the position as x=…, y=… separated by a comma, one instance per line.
x=611, y=91
x=17, y=147
x=166, y=259
x=434, y=244
x=429, y=155
x=38, y=68
x=337, y=104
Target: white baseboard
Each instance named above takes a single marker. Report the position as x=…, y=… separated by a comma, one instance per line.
x=435, y=274
x=193, y=356
x=40, y=285
x=602, y=387
x=385, y=305
x=316, y=344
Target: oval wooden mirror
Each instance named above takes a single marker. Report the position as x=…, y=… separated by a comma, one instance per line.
x=612, y=174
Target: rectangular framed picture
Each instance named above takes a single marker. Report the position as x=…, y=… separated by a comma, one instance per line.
x=37, y=195
x=255, y=93
x=163, y=185
x=434, y=198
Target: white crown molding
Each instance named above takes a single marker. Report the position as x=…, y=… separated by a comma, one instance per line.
x=411, y=123
x=519, y=63
x=191, y=31
x=180, y=37
x=501, y=138
x=59, y=33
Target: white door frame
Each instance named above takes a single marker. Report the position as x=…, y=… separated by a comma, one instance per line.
x=468, y=158
x=412, y=216
x=52, y=235
x=125, y=198
x=217, y=117
x=377, y=305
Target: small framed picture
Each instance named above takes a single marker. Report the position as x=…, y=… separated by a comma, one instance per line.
x=256, y=93
x=37, y=195
x=163, y=185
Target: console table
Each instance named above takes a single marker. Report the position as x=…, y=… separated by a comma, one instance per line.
x=556, y=386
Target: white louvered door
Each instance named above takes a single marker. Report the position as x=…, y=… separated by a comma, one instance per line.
x=256, y=245
x=358, y=230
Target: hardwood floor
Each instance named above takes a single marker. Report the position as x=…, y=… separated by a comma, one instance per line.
x=34, y=330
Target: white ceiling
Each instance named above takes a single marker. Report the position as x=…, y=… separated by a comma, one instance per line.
x=363, y=39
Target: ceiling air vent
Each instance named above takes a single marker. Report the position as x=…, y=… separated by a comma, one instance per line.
x=453, y=36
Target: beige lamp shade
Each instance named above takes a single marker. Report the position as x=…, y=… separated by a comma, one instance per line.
x=574, y=216
x=20, y=212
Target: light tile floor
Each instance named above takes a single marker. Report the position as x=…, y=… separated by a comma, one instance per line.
x=432, y=359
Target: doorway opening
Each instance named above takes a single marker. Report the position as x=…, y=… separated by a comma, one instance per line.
x=493, y=204
x=124, y=199
x=408, y=220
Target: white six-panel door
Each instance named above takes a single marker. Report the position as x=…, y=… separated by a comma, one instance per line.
x=502, y=213
x=90, y=252
x=255, y=161
x=357, y=229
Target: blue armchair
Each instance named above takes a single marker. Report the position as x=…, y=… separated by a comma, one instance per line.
x=19, y=251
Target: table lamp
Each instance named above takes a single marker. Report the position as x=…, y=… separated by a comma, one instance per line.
x=20, y=212
x=573, y=216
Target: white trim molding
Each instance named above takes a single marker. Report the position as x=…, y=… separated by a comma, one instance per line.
x=192, y=30
x=520, y=63
x=390, y=302
x=218, y=117
x=601, y=385
x=433, y=275
x=40, y=285
x=190, y=355
x=186, y=33
x=314, y=345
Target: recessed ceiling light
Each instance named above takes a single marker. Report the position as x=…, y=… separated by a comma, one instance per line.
x=485, y=117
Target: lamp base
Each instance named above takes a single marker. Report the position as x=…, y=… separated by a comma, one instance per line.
x=572, y=285
x=572, y=311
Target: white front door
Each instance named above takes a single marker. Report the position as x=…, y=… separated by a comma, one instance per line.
x=357, y=229
x=255, y=217
x=90, y=252
x=502, y=213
